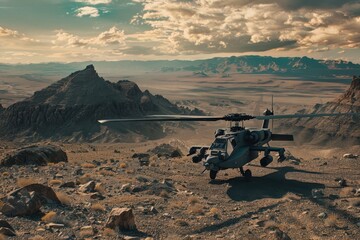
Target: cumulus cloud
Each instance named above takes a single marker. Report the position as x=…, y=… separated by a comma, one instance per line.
x=15, y=35
x=214, y=26
x=5, y=32
x=94, y=2
x=87, y=11
x=112, y=37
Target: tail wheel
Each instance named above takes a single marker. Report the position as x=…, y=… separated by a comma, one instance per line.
x=213, y=174
x=247, y=174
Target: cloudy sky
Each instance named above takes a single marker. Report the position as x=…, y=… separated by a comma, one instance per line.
x=78, y=30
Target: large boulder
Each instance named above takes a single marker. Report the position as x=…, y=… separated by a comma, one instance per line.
x=87, y=187
x=6, y=229
x=35, y=155
x=27, y=200
x=166, y=150
x=121, y=219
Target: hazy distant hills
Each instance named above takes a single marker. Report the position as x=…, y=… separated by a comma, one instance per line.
x=293, y=66
x=68, y=110
x=341, y=130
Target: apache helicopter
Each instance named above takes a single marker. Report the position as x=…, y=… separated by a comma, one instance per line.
x=236, y=146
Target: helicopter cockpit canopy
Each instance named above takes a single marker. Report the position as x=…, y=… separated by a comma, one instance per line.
x=222, y=145
x=219, y=144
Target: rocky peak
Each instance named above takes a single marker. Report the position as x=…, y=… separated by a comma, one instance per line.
x=68, y=110
x=79, y=88
x=90, y=67
x=355, y=84
x=352, y=95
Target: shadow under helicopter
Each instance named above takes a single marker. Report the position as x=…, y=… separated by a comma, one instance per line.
x=273, y=185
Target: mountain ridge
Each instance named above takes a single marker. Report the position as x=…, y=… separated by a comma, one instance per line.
x=251, y=64
x=340, y=130
x=68, y=110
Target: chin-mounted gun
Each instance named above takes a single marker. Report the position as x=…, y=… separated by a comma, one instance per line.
x=201, y=154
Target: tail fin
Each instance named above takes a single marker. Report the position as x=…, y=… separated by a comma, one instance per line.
x=266, y=121
x=272, y=110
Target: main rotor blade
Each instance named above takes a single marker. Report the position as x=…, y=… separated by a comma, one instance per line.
x=303, y=115
x=215, y=118
x=157, y=118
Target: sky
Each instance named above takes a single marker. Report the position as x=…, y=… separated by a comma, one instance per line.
x=110, y=30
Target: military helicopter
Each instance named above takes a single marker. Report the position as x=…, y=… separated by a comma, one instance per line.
x=236, y=146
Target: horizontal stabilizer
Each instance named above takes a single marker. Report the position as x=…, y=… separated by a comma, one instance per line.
x=282, y=137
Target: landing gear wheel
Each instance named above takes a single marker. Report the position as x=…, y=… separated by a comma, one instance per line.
x=247, y=174
x=213, y=174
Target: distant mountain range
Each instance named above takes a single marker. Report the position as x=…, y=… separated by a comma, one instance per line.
x=223, y=67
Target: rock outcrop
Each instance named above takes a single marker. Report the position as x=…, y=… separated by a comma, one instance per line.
x=6, y=229
x=68, y=110
x=166, y=150
x=27, y=200
x=121, y=219
x=341, y=130
x=35, y=155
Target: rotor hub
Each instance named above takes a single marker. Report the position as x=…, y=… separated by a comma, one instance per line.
x=237, y=117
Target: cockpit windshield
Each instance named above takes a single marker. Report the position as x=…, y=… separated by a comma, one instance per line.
x=219, y=144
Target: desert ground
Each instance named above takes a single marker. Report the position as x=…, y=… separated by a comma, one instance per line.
x=171, y=198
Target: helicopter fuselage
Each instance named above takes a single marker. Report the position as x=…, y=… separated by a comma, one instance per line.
x=236, y=148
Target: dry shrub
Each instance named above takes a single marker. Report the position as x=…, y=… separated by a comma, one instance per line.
x=64, y=198
x=355, y=202
x=196, y=209
x=164, y=194
x=130, y=171
x=85, y=178
x=6, y=174
x=53, y=217
x=176, y=205
x=88, y=165
x=153, y=161
x=84, y=233
x=54, y=182
x=106, y=173
x=100, y=188
x=331, y=220
x=123, y=165
x=347, y=192
x=98, y=207
x=193, y=200
x=37, y=237
x=108, y=232
x=60, y=164
x=214, y=211
x=22, y=182
x=181, y=222
x=272, y=225
x=1, y=204
x=49, y=217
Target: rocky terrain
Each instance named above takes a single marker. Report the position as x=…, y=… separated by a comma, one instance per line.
x=68, y=110
x=138, y=191
x=343, y=130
